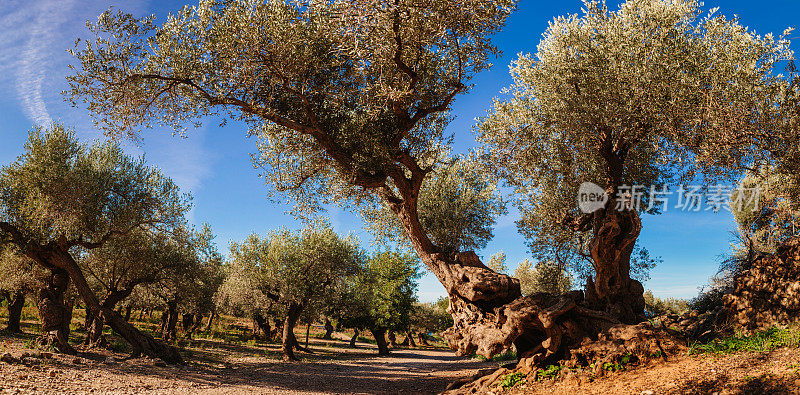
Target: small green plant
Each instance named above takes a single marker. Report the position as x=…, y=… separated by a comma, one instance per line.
x=508, y=355
x=512, y=379
x=613, y=366
x=549, y=373
x=761, y=341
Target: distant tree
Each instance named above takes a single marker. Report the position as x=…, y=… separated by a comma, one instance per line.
x=295, y=270
x=497, y=262
x=427, y=319
x=655, y=306
x=61, y=197
x=19, y=277
x=647, y=95
x=381, y=297
x=546, y=276
x=141, y=257
x=768, y=212
x=190, y=283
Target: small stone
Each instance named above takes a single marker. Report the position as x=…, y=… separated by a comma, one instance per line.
x=647, y=392
x=53, y=373
x=77, y=361
x=22, y=377
x=110, y=360
x=160, y=363
x=46, y=355
x=8, y=358
x=30, y=361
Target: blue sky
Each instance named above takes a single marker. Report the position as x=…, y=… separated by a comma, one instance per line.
x=214, y=163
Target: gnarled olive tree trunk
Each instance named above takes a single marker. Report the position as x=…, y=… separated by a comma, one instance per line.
x=55, y=313
x=16, y=302
x=380, y=339
x=97, y=318
x=169, y=321
x=328, y=330
x=141, y=343
x=289, y=342
x=489, y=312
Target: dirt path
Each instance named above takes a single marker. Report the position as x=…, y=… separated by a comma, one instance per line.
x=228, y=369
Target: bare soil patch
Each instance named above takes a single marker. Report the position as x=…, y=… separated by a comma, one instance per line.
x=217, y=367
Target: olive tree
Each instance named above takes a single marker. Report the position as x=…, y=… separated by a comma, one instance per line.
x=349, y=100
x=380, y=298
x=61, y=197
x=293, y=269
x=19, y=277
x=545, y=276
x=651, y=94
x=187, y=286
x=115, y=270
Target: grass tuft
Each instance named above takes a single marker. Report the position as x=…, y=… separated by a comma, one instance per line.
x=761, y=341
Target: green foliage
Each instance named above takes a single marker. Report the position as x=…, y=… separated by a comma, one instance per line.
x=61, y=188
x=512, y=379
x=266, y=274
x=508, y=355
x=551, y=372
x=382, y=295
x=657, y=306
x=546, y=276
x=430, y=318
x=341, y=94
x=624, y=98
x=497, y=262
x=760, y=341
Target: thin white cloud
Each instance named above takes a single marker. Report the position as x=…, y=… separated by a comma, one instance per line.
x=33, y=65
x=36, y=59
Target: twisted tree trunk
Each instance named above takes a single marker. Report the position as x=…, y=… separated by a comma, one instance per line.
x=410, y=339
x=380, y=338
x=289, y=341
x=97, y=318
x=169, y=325
x=211, y=320
x=328, y=330
x=16, y=303
x=489, y=312
x=54, y=313
x=354, y=338
x=392, y=339
x=262, y=327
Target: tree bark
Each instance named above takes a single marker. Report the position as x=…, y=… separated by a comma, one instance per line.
x=56, y=257
x=262, y=327
x=170, y=325
x=380, y=339
x=210, y=320
x=54, y=313
x=392, y=339
x=15, y=306
x=613, y=290
x=328, y=330
x=308, y=332
x=289, y=340
x=128, y=312
x=410, y=339
x=354, y=338
x=489, y=312
x=423, y=339
x=97, y=318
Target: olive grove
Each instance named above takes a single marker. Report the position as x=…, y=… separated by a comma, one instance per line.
x=350, y=100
